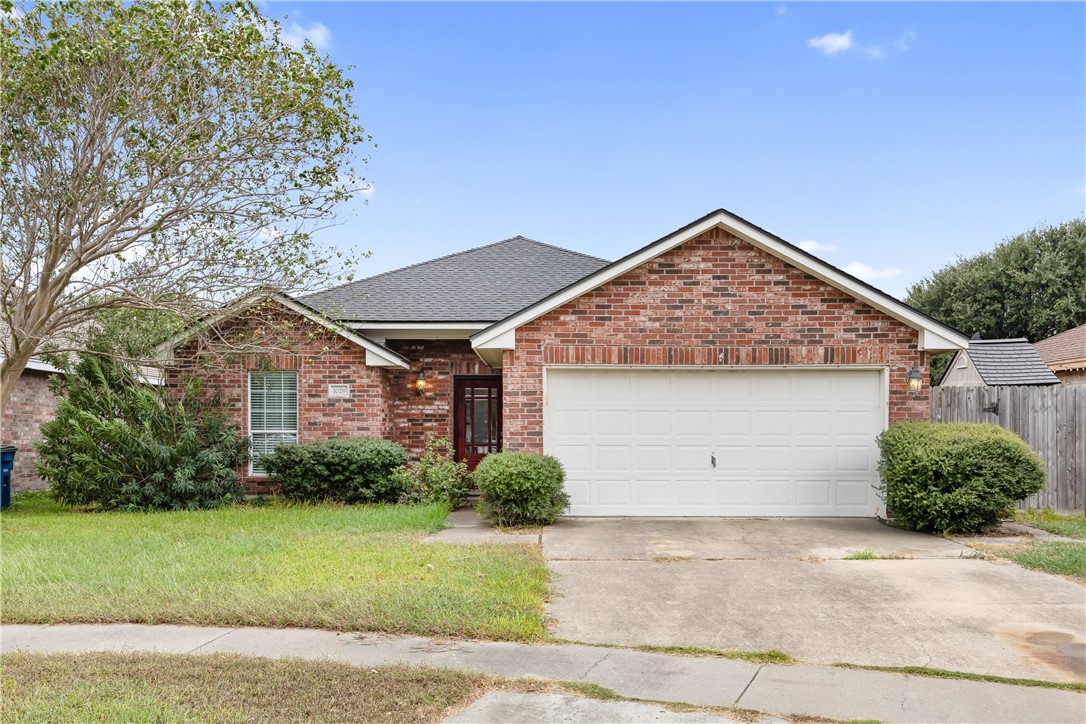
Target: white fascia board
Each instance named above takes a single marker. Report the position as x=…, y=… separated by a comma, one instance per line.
x=932, y=341
x=376, y=354
x=932, y=337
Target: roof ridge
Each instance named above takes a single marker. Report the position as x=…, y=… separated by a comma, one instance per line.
x=558, y=248
x=450, y=256
x=996, y=341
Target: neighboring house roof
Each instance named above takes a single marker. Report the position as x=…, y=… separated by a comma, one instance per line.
x=150, y=375
x=377, y=355
x=1008, y=362
x=38, y=366
x=933, y=335
x=1064, y=351
x=484, y=284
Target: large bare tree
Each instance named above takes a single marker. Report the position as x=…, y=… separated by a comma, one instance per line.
x=160, y=155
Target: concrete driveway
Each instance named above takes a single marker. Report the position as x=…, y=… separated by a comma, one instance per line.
x=784, y=583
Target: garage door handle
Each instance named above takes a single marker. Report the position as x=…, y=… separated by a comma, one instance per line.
x=712, y=459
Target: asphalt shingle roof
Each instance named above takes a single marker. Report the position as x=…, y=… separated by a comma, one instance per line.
x=1009, y=362
x=478, y=285
x=1065, y=346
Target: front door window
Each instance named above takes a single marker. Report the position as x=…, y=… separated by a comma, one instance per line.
x=478, y=418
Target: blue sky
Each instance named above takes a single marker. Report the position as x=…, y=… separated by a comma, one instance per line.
x=892, y=136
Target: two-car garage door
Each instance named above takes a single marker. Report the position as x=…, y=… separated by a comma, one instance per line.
x=671, y=442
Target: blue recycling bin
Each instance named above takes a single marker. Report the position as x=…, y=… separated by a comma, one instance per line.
x=7, y=462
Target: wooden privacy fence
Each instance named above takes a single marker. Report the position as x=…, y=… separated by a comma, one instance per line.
x=1052, y=420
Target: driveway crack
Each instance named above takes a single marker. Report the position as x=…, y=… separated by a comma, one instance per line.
x=744, y=691
x=593, y=666
x=212, y=640
x=924, y=649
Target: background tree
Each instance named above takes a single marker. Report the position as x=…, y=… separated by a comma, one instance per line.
x=159, y=155
x=1032, y=285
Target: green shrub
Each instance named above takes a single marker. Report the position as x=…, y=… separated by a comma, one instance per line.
x=436, y=477
x=955, y=477
x=521, y=488
x=118, y=443
x=354, y=470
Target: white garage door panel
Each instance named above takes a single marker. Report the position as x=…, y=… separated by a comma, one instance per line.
x=786, y=442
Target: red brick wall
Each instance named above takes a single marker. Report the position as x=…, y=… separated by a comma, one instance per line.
x=416, y=416
x=288, y=341
x=31, y=404
x=714, y=300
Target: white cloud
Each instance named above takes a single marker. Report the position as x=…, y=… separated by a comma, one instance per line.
x=832, y=43
x=295, y=35
x=905, y=40
x=781, y=11
x=814, y=247
x=863, y=271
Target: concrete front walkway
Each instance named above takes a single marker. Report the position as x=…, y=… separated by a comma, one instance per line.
x=801, y=689
x=785, y=584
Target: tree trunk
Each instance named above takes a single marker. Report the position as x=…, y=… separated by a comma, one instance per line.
x=11, y=369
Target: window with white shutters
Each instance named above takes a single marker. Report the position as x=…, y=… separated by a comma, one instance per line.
x=273, y=413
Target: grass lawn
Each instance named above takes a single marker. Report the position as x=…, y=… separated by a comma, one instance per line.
x=1064, y=558
x=328, y=566
x=111, y=687
x=1060, y=557
x=1070, y=526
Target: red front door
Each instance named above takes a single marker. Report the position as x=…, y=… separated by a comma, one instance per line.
x=478, y=417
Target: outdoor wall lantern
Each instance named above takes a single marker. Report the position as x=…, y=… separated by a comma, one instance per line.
x=916, y=380
x=420, y=383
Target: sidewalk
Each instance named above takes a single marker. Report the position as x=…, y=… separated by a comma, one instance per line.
x=800, y=689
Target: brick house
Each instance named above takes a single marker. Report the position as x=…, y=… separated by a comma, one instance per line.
x=31, y=405
x=717, y=371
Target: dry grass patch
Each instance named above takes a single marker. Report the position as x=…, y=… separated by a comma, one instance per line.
x=108, y=687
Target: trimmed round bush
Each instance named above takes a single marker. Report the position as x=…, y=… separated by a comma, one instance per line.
x=518, y=488
x=354, y=470
x=955, y=477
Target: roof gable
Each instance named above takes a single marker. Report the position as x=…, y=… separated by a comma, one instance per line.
x=377, y=355
x=1009, y=362
x=484, y=284
x=933, y=335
